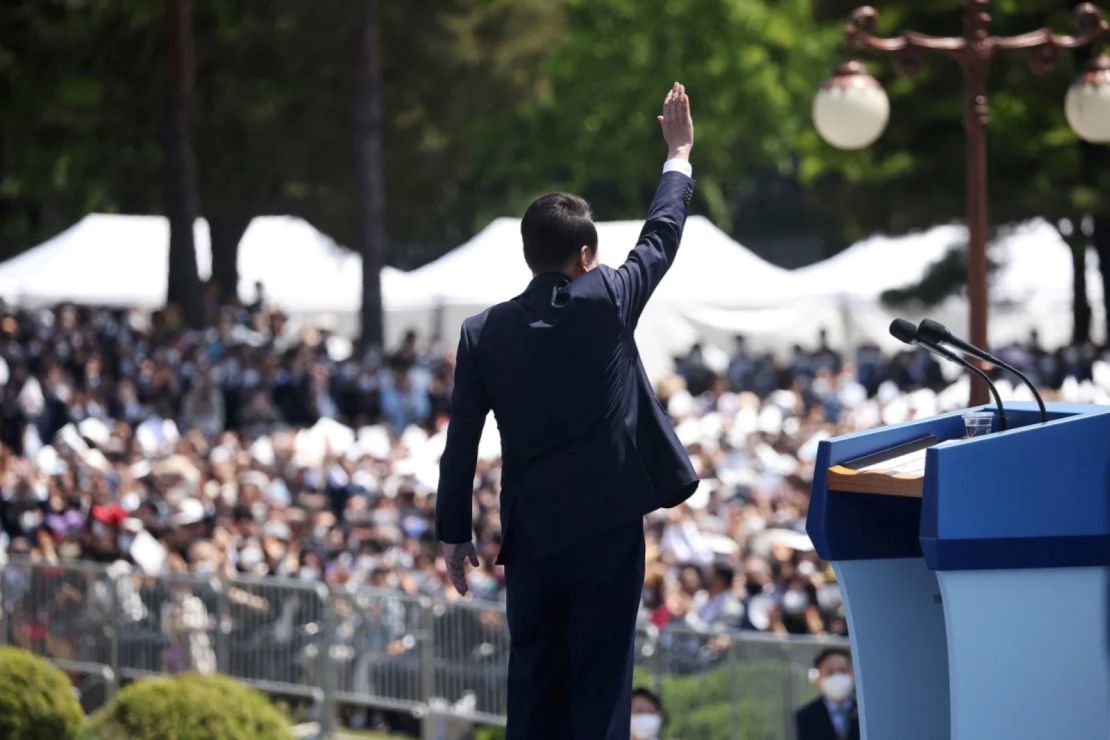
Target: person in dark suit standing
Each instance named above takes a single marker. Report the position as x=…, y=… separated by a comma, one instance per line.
x=832, y=716
x=586, y=447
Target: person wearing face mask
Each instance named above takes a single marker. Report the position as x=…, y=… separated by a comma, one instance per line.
x=647, y=714
x=832, y=716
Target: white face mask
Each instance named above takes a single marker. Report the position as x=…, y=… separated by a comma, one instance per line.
x=646, y=726
x=838, y=686
x=794, y=602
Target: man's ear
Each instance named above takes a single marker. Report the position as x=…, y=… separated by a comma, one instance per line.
x=586, y=258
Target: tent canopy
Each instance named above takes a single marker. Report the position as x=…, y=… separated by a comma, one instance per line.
x=121, y=260
x=710, y=268
x=1033, y=263
x=103, y=259
x=716, y=288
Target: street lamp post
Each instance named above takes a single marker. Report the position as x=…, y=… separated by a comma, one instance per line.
x=851, y=109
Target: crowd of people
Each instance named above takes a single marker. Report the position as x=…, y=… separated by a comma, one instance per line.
x=252, y=447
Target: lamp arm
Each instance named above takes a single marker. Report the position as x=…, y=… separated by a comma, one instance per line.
x=861, y=33
x=1043, y=45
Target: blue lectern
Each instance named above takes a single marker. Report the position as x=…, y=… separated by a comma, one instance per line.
x=978, y=610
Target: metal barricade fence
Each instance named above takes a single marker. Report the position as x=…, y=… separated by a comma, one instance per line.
x=67, y=614
x=379, y=648
x=728, y=685
x=470, y=660
x=370, y=648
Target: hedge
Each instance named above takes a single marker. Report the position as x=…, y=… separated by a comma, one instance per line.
x=36, y=699
x=188, y=706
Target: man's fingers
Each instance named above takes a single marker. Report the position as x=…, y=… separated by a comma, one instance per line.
x=458, y=579
x=456, y=567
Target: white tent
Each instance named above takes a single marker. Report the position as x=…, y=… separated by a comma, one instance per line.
x=307, y=273
x=112, y=259
x=716, y=288
x=1033, y=264
x=710, y=267
x=1031, y=287
x=103, y=259
x=301, y=269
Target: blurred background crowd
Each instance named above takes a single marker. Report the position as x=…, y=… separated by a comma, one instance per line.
x=250, y=447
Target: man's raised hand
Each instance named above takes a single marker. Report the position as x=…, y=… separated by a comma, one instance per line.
x=678, y=126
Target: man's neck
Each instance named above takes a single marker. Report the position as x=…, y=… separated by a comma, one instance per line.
x=569, y=274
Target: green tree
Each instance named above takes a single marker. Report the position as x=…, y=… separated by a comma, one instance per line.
x=751, y=69
x=913, y=176
x=80, y=125
x=180, y=162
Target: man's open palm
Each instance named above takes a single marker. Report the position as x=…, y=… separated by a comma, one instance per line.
x=677, y=124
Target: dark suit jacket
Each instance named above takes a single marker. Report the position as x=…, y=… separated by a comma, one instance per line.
x=814, y=723
x=585, y=443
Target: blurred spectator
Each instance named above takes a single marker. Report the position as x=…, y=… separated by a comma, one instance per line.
x=832, y=716
x=647, y=714
x=250, y=447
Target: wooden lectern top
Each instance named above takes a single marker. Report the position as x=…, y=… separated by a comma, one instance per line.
x=897, y=471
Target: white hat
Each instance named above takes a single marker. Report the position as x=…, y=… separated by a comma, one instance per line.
x=276, y=529
x=96, y=431
x=190, y=511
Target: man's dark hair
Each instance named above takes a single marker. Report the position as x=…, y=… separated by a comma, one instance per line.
x=554, y=228
x=650, y=695
x=828, y=653
x=724, y=572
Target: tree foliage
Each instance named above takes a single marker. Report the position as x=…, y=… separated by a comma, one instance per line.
x=491, y=102
x=914, y=175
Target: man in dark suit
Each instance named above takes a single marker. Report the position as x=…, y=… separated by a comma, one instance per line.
x=587, y=450
x=832, y=716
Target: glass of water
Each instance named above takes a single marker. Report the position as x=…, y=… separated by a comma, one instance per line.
x=978, y=423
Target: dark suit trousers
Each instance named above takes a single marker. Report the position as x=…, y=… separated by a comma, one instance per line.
x=572, y=622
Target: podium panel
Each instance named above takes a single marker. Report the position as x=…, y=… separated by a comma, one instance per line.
x=977, y=593
x=1029, y=652
x=898, y=647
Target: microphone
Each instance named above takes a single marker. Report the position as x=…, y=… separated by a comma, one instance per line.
x=937, y=333
x=904, y=331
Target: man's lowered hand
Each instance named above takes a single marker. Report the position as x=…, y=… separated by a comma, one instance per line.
x=455, y=557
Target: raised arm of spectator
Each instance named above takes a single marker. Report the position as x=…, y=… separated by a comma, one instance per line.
x=655, y=251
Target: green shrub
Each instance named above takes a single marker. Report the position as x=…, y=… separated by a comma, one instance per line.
x=36, y=699
x=188, y=707
x=723, y=703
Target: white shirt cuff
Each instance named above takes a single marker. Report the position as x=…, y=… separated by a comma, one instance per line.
x=678, y=165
